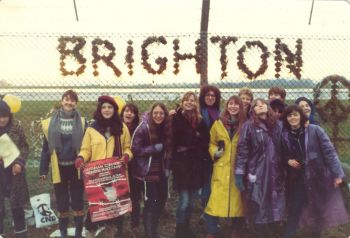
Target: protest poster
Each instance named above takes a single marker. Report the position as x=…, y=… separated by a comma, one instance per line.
x=107, y=188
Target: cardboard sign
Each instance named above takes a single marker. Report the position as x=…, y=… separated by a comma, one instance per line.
x=8, y=150
x=107, y=188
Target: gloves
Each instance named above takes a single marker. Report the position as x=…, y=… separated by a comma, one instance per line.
x=125, y=158
x=79, y=162
x=167, y=173
x=239, y=182
x=158, y=147
x=218, y=154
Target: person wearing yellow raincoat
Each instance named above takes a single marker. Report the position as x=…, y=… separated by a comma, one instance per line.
x=225, y=198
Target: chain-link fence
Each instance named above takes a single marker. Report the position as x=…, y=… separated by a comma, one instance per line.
x=144, y=68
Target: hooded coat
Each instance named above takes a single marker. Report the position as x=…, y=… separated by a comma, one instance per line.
x=17, y=189
x=259, y=161
x=324, y=204
x=143, y=150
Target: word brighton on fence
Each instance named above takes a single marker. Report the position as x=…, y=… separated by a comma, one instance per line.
x=292, y=61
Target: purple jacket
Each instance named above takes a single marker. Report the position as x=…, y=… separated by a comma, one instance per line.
x=259, y=160
x=325, y=205
x=143, y=150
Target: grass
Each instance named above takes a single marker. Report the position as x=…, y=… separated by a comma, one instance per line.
x=33, y=111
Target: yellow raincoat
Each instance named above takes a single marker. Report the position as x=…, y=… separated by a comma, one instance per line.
x=96, y=147
x=225, y=199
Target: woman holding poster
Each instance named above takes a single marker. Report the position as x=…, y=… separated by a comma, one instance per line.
x=13, y=182
x=109, y=138
x=152, y=148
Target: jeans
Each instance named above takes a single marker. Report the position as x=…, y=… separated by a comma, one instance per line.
x=184, y=205
x=206, y=190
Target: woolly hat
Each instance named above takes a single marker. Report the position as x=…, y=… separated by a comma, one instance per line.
x=104, y=98
x=5, y=110
x=277, y=104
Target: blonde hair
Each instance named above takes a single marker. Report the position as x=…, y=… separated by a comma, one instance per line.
x=246, y=91
x=185, y=97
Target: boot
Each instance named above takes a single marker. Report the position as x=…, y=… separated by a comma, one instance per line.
x=120, y=222
x=21, y=235
x=63, y=225
x=110, y=231
x=78, y=222
x=189, y=232
x=180, y=231
x=89, y=234
x=154, y=224
x=211, y=236
x=235, y=234
x=147, y=222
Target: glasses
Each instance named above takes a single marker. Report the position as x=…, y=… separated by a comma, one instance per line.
x=210, y=96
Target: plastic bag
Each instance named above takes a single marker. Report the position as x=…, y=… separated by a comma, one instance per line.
x=44, y=216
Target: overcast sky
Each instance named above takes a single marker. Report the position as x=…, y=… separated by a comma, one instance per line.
x=174, y=16
x=108, y=18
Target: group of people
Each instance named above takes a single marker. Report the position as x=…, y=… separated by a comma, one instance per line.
x=259, y=162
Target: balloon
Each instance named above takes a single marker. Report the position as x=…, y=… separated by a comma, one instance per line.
x=13, y=101
x=120, y=102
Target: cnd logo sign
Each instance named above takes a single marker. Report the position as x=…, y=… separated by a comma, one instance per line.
x=43, y=210
x=46, y=212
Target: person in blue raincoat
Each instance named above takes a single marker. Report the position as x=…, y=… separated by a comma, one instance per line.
x=259, y=169
x=314, y=175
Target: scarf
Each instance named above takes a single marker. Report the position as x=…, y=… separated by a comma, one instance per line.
x=210, y=114
x=230, y=123
x=54, y=133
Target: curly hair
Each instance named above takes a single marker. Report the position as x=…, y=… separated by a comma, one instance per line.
x=246, y=91
x=204, y=91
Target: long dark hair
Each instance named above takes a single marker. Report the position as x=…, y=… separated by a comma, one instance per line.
x=114, y=123
x=166, y=132
x=289, y=110
x=204, y=90
x=132, y=107
x=241, y=115
x=271, y=119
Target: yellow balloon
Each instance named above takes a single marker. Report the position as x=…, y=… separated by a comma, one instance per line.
x=13, y=101
x=120, y=102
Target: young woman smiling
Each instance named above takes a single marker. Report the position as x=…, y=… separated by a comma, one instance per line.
x=152, y=148
x=314, y=174
x=107, y=137
x=191, y=139
x=225, y=198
